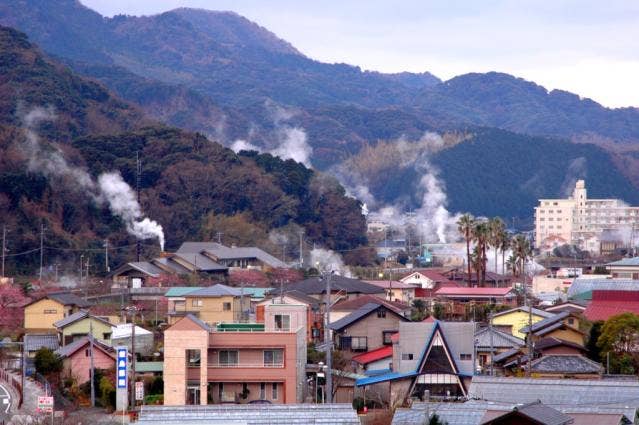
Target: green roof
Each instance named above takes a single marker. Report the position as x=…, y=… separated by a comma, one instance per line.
x=240, y=327
x=147, y=367
x=256, y=292
x=180, y=291
x=584, y=296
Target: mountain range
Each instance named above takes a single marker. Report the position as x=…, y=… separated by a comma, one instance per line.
x=230, y=79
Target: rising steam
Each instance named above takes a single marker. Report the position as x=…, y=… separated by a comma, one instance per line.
x=110, y=187
x=327, y=261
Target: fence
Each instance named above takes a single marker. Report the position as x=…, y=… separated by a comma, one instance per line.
x=14, y=382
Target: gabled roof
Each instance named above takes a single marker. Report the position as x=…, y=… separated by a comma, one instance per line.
x=547, y=323
x=474, y=292
x=361, y=313
x=625, y=262
x=550, y=342
x=124, y=330
x=72, y=348
x=218, y=290
x=317, y=286
x=565, y=363
x=434, y=275
x=393, y=284
x=355, y=303
x=64, y=298
x=526, y=309
x=181, y=291
x=198, y=261
x=33, y=342
x=168, y=266
x=82, y=314
x=606, y=304
x=223, y=252
x=574, y=306
x=374, y=355
x=499, y=340
x=141, y=266
x=534, y=411
x=299, y=296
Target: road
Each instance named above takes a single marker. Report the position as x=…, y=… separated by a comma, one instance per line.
x=5, y=400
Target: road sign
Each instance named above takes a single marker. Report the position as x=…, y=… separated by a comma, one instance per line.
x=45, y=404
x=122, y=367
x=139, y=390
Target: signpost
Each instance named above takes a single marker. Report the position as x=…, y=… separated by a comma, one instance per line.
x=122, y=367
x=121, y=370
x=45, y=404
x=139, y=391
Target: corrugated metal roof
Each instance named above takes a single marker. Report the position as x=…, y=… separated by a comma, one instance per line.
x=374, y=355
x=33, y=342
x=606, y=304
x=145, y=267
x=628, y=262
x=198, y=261
x=256, y=414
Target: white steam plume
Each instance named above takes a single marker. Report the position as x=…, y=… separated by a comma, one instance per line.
x=577, y=169
x=243, y=145
x=326, y=260
x=111, y=188
x=293, y=145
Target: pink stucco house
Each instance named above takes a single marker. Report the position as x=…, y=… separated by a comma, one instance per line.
x=76, y=358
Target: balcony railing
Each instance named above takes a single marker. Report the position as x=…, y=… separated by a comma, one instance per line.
x=246, y=365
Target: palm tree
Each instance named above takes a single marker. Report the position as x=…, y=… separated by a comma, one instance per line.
x=503, y=247
x=481, y=234
x=521, y=251
x=512, y=264
x=465, y=226
x=476, y=259
x=497, y=229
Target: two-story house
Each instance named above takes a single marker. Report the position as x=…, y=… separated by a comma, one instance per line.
x=80, y=324
x=41, y=314
x=214, y=304
x=237, y=363
x=367, y=328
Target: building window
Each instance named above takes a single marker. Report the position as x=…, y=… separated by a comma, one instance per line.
x=50, y=311
x=282, y=322
x=387, y=337
x=226, y=306
x=274, y=358
x=274, y=390
x=196, y=302
x=228, y=358
x=381, y=313
x=193, y=358
x=463, y=356
x=359, y=343
x=262, y=391
x=106, y=335
x=407, y=356
x=571, y=321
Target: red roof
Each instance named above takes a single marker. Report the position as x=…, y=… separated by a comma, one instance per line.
x=430, y=293
x=374, y=355
x=606, y=304
x=433, y=274
x=429, y=319
x=473, y=292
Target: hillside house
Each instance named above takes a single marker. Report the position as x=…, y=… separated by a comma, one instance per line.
x=41, y=314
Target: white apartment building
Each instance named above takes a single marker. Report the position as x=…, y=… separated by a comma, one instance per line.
x=581, y=221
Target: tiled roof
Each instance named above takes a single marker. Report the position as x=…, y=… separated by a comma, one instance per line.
x=374, y=355
x=33, y=342
x=355, y=303
x=628, y=262
x=223, y=252
x=198, y=261
x=499, y=340
x=565, y=363
x=218, y=290
x=70, y=349
x=317, y=286
x=580, y=285
x=394, y=284
x=145, y=267
x=535, y=311
x=68, y=298
x=548, y=322
x=474, y=292
x=250, y=414
x=606, y=304
x=360, y=313
x=75, y=317
x=536, y=411
x=505, y=355
x=550, y=342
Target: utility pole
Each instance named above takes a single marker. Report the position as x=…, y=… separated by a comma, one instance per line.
x=138, y=172
x=327, y=340
x=492, y=349
x=106, y=256
x=81, y=268
x=91, y=356
x=219, y=237
x=86, y=278
x=301, y=249
x=41, y=248
x=530, y=330
x=4, y=246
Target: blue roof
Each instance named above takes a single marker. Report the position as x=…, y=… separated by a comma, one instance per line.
x=383, y=378
x=180, y=291
x=375, y=372
x=634, y=261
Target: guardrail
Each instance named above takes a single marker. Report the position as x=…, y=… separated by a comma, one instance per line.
x=13, y=382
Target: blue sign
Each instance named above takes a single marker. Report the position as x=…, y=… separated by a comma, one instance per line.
x=121, y=367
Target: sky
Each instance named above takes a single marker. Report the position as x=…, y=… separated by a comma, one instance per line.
x=588, y=47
